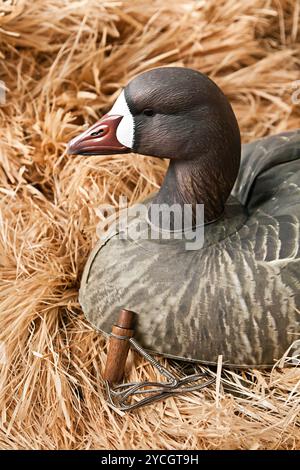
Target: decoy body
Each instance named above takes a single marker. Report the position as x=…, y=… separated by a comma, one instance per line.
x=239, y=294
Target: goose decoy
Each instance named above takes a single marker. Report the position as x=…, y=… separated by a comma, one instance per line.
x=238, y=294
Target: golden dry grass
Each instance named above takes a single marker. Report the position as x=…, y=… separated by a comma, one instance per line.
x=62, y=63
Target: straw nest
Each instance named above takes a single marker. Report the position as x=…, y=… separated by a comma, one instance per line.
x=62, y=64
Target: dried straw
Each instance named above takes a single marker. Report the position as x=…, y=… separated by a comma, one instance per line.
x=62, y=64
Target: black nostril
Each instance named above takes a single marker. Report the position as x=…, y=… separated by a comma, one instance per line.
x=94, y=134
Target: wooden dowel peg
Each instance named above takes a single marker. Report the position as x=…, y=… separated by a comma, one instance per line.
x=118, y=347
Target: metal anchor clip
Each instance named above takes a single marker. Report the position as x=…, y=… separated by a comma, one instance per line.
x=124, y=396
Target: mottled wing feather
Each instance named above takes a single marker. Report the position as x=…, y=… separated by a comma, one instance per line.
x=262, y=155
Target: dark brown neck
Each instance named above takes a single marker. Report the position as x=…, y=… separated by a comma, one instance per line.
x=194, y=182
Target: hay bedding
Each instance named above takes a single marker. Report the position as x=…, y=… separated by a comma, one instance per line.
x=62, y=64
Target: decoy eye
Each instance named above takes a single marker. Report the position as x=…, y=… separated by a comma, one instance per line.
x=94, y=134
x=148, y=112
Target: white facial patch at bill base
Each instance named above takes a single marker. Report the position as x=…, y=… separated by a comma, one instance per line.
x=125, y=130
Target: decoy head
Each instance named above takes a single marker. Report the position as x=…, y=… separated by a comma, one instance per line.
x=176, y=113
